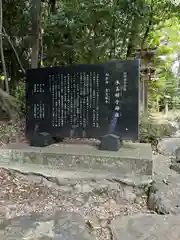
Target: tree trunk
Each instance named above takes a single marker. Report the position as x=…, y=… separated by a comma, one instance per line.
x=14, y=49
x=9, y=105
x=2, y=50
x=146, y=96
x=35, y=11
x=52, y=6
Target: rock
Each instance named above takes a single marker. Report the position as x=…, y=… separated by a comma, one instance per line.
x=177, y=154
x=143, y=227
x=175, y=124
x=83, y=187
x=168, y=146
x=59, y=226
x=162, y=170
x=177, y=133
x=175, y=166
x=129, y=195
x=164, y=197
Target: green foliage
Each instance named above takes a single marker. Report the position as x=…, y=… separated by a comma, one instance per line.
x=85, y=31
x=92, y=32
x=19, y=93
x=174, y=115
x=165, y=37
x=7, y=132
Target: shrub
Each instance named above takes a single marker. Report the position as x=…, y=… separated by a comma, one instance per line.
x=151, y=130
x=8, y=131
x=12, y=132
x=19, y=93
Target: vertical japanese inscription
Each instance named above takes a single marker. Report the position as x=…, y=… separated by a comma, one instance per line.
x=84, y=92
x=107, y=89
x=38, y=108
x=58, y=101
x=56, y=97
x=53, y=92
x=65, y=98
x=95, y=99
x=73, y=101
x=39, y=111
x=120, y=88
x=90, y=90
x=62, y=98
x=38, y=88
x=118, y=98
x=87, y=87
x=68, y=97
x=81, y=100
x=125, y=81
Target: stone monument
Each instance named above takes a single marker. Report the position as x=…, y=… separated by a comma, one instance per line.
x=84, y=101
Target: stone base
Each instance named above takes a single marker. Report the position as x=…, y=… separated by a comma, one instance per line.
x=41, y=139
x=110, y=142
x=132, y=158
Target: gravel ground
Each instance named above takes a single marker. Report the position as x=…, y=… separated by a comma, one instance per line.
x=26, y=194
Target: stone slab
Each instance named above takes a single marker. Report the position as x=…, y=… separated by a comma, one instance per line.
x=143, y=227
x=162, y=170
x=131, y=158
x=61, y=225
x=67, y=177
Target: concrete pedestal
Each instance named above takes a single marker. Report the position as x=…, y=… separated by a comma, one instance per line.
x=132, y=158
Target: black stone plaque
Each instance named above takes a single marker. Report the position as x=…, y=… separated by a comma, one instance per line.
x=84, y=100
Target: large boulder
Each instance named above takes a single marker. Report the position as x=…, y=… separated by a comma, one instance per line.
x=146, y=227
x=164, y=195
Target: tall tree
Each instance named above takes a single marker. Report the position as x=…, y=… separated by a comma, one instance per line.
x=36, y=12
x=2, y=49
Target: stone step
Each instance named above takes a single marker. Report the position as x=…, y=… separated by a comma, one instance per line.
x=132, y=158
x=68, y=176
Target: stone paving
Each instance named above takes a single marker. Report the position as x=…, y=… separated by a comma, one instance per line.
x=146, y=227
x=164, y=198
x=57, y=226
x=37, y=208
x=30, y=206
